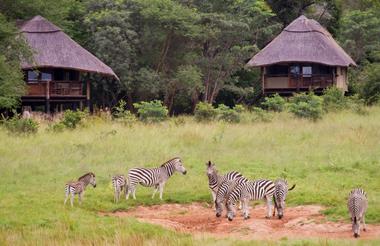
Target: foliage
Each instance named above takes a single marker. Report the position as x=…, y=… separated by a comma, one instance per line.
x=260, y=115
x=306, y=106
x=150, y=112
x=18, y=125
x=228, y=114
x=122, y=115
x=334, y=99
x=71, y=119
x=274, y=103
x=205, y=112
x=370, y=80
x=11, y=78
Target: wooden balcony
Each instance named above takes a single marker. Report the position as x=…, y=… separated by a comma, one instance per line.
x=288, y=83
x=55, y=89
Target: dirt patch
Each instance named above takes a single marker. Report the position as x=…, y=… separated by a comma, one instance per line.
x=298, y=222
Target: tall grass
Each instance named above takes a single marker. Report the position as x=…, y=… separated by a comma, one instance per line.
x=326, y=159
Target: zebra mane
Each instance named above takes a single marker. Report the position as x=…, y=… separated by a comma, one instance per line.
x=165, y=163
x=358, y=191
x=89, y=173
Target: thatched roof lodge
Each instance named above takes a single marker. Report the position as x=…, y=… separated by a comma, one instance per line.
x=55, y=77
x=304, y=56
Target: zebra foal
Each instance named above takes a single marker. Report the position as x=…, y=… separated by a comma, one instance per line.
x=119, y=184
x=78, y=187
x=251, y=190
x=215, y=180
x=280, y=193
x=156, y=177
x=357, y=206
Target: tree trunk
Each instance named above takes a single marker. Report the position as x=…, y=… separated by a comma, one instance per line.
x=164, y=52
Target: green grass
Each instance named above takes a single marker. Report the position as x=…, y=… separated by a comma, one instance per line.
x=325, y=159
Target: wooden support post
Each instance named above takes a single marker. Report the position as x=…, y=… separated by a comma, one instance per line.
x=47, y=104
x=88, y=95
x=262, y=80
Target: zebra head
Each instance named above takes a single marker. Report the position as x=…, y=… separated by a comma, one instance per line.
x=93, y=180
x=88, y=178
x=211, y=170
x=356, y=226
x=179, y=167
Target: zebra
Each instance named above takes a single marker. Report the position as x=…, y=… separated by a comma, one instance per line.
x=224, y=190
x=78, y=187
x=251, y=190
x=280, y=192
x=119, y=184
x=357, y=205
x=156, y=177
x=215, y=180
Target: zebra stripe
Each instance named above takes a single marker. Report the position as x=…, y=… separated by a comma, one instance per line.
x=78, y=187
x=280, y=193
x=223, y=192
x=156, y=177
x=357, y=206
x=119, y=184
x=215, y=180
x=251, y=190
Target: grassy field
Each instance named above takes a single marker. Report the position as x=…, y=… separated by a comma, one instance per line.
x=325, y=159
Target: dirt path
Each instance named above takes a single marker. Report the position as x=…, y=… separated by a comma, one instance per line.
x=196, y=218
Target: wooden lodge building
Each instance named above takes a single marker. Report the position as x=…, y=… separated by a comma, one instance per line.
x=55, y=78
x=303, y=57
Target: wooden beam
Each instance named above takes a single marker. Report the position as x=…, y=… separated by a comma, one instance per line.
x=88, y=90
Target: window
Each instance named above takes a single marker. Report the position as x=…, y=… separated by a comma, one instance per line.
x=295, y=70
x=306, y=71
x=46, y=76
x=59, y=74
x=321, y=69
x=32, y=76
x=277, y=70
x=73, y=75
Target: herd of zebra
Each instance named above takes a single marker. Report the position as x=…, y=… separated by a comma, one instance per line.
x=227, y=190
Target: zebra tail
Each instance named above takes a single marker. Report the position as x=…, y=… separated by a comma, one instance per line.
x=275, y=206
x=292, y=187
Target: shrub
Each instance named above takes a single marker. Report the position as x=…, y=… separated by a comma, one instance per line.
x=205, y=112
x=370, y=78
x=19, y=125
x=274, y=103
x=334, y=99
x=306, y=106
x=260, y=115
x=71, y=119
x=150, y=112
x=122, y=115
x=357, y=105
x=227, y=114
x=239, y=108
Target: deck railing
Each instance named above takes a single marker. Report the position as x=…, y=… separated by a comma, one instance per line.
x=55, y=88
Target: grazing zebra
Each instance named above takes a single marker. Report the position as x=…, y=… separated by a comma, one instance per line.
x=78, y=187
x=224, y=190
x=280, y=192
x=251, y=190
x=357, y=205
x=156, y=177
x=119, y=184
x=215, y=180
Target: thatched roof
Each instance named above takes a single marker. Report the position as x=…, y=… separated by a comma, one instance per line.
x=303, y=40
x=53, y=48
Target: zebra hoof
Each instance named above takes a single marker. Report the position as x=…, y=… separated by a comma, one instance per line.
x=247, y=217
x=356, y=235
x=364, y=229
x=230, y=219
x=267, y=217
x=218, y=215
x=280, y=217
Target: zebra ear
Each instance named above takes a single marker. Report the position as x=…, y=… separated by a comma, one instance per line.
x=209, y=163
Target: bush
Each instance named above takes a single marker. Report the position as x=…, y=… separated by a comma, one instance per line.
x=274, y=103
x=306, y=106
x=370, y=79
x=334, y=99
x=227, y=114
x=19, y=125
x=357, y=105
x=260, y=115
x=122, y=115
x=205, y=112
x=150, y=112
x=71, y=119
x=239, y=108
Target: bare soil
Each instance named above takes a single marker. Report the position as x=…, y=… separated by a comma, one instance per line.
x=299, y=222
